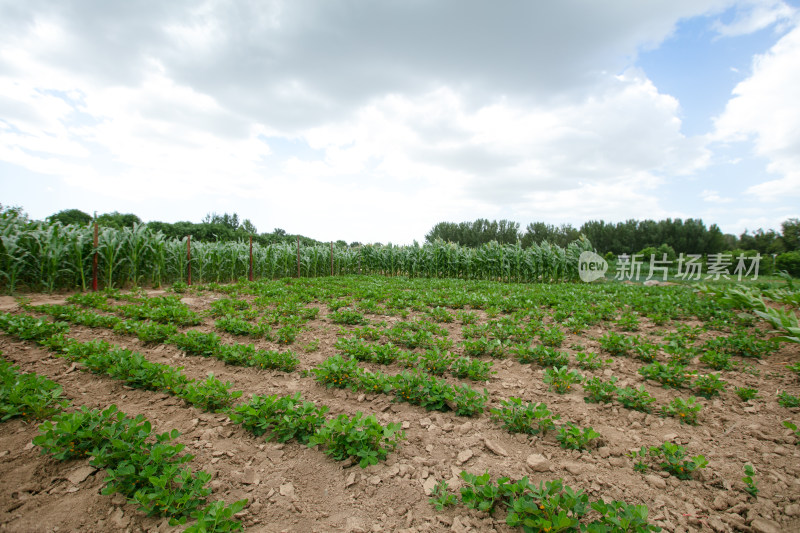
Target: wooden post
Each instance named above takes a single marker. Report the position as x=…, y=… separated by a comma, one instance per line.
x=189, y=259
x=94, y=260
x=331, y=258
x=251, y=258
x=298, y=256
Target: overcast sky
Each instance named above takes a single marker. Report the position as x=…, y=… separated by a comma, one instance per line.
x=374, y=120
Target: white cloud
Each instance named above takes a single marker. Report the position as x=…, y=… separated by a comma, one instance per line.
x=714, y=197
x=765, y=108
x=756, y=15
x=415, y=112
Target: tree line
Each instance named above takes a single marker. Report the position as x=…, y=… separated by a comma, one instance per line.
x=689, y=236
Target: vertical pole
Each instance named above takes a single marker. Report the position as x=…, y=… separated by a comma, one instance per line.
x=331, y=258
x=189, y=259
x=251, y=258
x=298, y=256
x=94, y=260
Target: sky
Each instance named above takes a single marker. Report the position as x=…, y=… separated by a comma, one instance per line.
x=373, y=121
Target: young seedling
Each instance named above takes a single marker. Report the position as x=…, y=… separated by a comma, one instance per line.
x=751, y=486
x=790, y=425
x=442, y=497
x=787, y=400
x=746, y=394
x=639, y=457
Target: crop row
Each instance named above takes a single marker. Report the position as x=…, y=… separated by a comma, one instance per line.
x=417, y=388
x=360, y=436
x=192, y=342
x=131, y=367
x=433, y=361
x=551, y=507
x=149, y=473
x=27, y=395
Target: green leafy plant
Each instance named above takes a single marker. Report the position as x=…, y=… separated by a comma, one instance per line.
x=561, y=379
x=435, y=362
x=442, y=497
x=591, y=361
x=148, y=472
x=29, y=328
x=335, y=371
x=287, y=334
x=628, y=322
x=473, y=369
x=743, y=343
x=216, y=517
x=751, y=486
x=284, y=418
x=360, y=437
x=196, y=342
x=788, y=400
x=347, y=316
x=530, y=418
x=210, y=394
x=717, y=360
x=544, y=356
x=551, y=506
x=552, y=336
x=26, y=395
x=684, y=410
x=746, y=393
x=672, y=459
x=239, y=326
x=615, y=343
x=440, y=314
x=709, y=385
x=571, y=437
x=598, y=391
x=621, y=516
x=640, y=459
x=480, y=493
x=644, y=351
x=671, y=375
x=467, y=317
x=636, y=399
x=793, y=427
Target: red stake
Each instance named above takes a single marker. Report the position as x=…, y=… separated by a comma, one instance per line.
x=189, y=258
x=94, y=260
x=251, y=258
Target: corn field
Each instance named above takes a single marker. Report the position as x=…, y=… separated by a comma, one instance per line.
x=40, y=256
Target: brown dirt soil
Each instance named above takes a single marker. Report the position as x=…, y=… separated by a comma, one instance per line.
x=293, y=488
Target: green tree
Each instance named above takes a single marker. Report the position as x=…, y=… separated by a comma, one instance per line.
x=118, y=220
x=790, y=231
x=475, y=233
x=71, y=216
